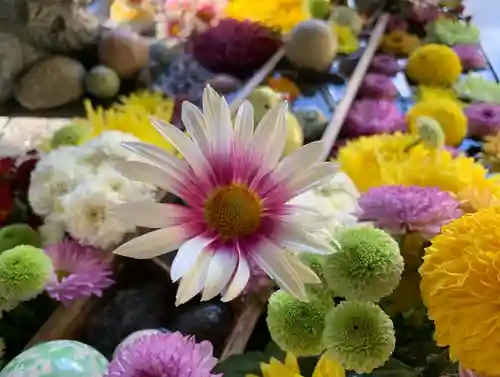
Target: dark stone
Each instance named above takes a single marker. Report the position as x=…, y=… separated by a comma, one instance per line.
x=210, y=321
x=130, y=310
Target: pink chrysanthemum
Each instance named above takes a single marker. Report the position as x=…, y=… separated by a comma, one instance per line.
x=385, y=64
x=401, y=209
x=372, y=116
x=164, y=355
x=377, y=85
x=483, y=119
x=236, y=190
x=80, y=271
x=471, y=56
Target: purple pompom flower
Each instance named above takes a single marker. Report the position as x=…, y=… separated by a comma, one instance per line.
x=396, y=23
x=423, y=12
x=164, y=355
x=80, y=271
x=369, y=117
x=385, y=64
x=376, y=85
x=401, y=209
x=483, y=119
x=471, y=56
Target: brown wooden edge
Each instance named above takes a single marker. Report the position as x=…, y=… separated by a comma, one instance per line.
x=332, y=131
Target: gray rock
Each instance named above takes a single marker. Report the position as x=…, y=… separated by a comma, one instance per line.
x=50, y=83
x=11, y=62
x=210, y=321
x=130, y=310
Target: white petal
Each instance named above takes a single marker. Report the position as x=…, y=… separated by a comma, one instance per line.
x=220, y=271
x=187, y=255
x=239, y=281
x=210, y=102
x=316, y=176
x=297, y=239
x=244, y=124
x=268, y=132
x=172, y=165
x=222, y=128
x=273, y=261
x=154, y=243
x=187, y=148
x=150, y=215
x=305, y=273
x=195, y=124
x=192, y=283
x=146, y=173
x=301, y=160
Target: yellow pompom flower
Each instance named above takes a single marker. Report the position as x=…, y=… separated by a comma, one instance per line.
x=484, y=195
x=279, y=15
x=388, y=163
x=326, y=367
x=399, y=42
x=461, y=289
x=431, y=93
x=434, y=65
x=447, y=113
x=132, y=115
x=348, y=41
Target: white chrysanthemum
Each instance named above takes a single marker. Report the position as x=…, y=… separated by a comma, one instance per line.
x=52, y=231
x=56, y=174
x=129, y=190
x=336, y=200
x=107, y=147
x=87, y=216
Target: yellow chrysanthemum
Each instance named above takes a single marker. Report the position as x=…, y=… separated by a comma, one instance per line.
x=132, y=115
x=479, y=197
x=348, y=41
x=431, y=93
x=491, y=152
x=447, y=113
x=461, y=289
x=384, y=157
x=280, y=15
x=326, y=367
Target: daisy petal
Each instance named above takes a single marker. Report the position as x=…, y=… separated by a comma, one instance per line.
x=210, y=102
x=172, y=165
x=273, y=261
x=187, y=255
x=151, y=215
x=222, y=128
x=268, y=132
x=186, y=147
x=244, y=124
x=301, y=160
x=154, y=243
x=312, y=178
x=195, y=124
x=146, y=173
x=239, y=281
x=305, y=273
x=194, y=280
x=220, y=271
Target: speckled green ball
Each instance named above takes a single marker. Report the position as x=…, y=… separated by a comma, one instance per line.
x=102, y=82
x=367, y=267
x=315, y=263
x=18, y=234
x=359, y=335
x=320, y=8
x=72, y=134
x=297, y=326
x=24, y=272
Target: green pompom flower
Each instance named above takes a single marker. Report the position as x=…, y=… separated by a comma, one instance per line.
x=359, y=335
x=297, y=326
x=367, y=267
x=24, y=272
x=315, y=263
x=18, y=234
x=72, y=134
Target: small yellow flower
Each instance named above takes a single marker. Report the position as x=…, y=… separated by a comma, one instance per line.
x=326, y=367
x=348, y=41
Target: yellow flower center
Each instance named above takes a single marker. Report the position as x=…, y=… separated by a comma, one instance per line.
x=233, y=211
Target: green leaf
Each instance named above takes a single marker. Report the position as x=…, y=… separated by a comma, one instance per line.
x=241, y=365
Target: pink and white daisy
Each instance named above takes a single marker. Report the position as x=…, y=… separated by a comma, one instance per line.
x=236, y=191
x=80, y=271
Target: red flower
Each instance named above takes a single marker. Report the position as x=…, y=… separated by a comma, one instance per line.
x=6, y=201
x=22, y=176
x=6, y=166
